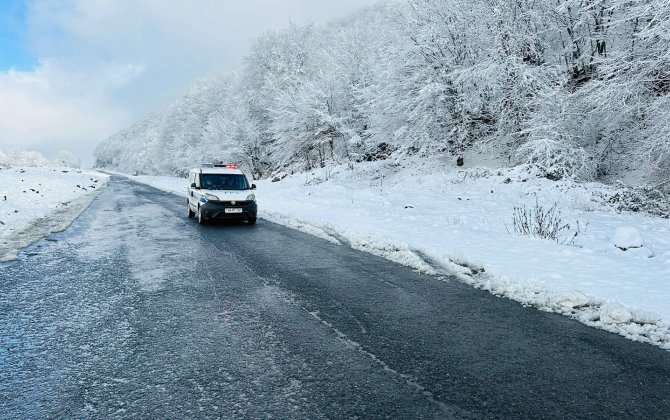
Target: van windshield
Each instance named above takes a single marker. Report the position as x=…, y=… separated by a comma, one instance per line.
x=223, y=182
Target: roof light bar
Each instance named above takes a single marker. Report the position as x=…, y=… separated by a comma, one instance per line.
x=220, y=165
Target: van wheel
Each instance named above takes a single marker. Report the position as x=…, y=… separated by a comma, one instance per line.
x=201, y=218
x=252, y=220
x=191, y=213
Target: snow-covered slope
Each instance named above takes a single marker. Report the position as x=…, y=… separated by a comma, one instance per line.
x=462, y=223
x=37, y=201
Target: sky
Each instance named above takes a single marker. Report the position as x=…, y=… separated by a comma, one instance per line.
x=73, y=72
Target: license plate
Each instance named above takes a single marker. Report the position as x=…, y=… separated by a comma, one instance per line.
x=233, y=210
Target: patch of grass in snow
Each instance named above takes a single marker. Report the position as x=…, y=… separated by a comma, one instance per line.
x=546, y=223
x=539, y=221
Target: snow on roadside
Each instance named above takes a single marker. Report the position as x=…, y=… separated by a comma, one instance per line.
x=38, y=201
x=461, y=223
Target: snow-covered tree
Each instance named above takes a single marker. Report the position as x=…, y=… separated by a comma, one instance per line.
x=28, y=158
x=67, y=159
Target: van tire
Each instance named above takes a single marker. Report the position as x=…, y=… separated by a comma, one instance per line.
x=201, y=218
x=191, y=213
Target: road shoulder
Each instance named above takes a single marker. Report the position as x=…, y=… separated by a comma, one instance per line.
x=36, y=202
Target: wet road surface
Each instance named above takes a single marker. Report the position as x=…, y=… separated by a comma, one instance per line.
x=137, y=312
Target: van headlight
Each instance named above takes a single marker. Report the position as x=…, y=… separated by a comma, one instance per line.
x=251, y=197
x=211, y=197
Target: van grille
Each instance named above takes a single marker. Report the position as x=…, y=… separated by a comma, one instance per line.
x=230, y=203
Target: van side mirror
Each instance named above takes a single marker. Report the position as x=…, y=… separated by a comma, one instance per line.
x=253, y=186
x=193, y=185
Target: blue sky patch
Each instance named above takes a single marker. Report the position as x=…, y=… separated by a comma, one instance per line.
x=13, y=31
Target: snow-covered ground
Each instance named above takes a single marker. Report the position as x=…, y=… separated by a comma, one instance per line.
x=37, y=201
x=443, y=221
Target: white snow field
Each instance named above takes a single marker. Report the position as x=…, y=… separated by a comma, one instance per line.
x=461, y=222
x=38, y=201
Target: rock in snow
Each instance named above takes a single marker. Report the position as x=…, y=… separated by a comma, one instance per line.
x=627, y=237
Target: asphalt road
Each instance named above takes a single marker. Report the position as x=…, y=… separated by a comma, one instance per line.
x=137, y=312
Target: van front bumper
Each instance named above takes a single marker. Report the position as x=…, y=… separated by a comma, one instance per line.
x=229, y=210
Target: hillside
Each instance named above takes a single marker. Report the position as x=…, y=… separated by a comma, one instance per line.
x=574, y=88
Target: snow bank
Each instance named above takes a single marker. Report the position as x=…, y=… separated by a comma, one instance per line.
x=37, y=201
x=461, y=223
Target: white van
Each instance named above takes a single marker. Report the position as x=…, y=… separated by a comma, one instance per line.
x=220, y=192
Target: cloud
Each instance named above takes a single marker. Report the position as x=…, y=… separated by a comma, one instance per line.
x=105, y=63
x=44, y=110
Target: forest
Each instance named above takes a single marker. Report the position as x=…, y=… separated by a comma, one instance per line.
x=573, y=88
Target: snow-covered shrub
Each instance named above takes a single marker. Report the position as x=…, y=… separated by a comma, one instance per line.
x=539, y=222
x=648, y=200
x=477, y=173
x=556, y=159
x=382, y=152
